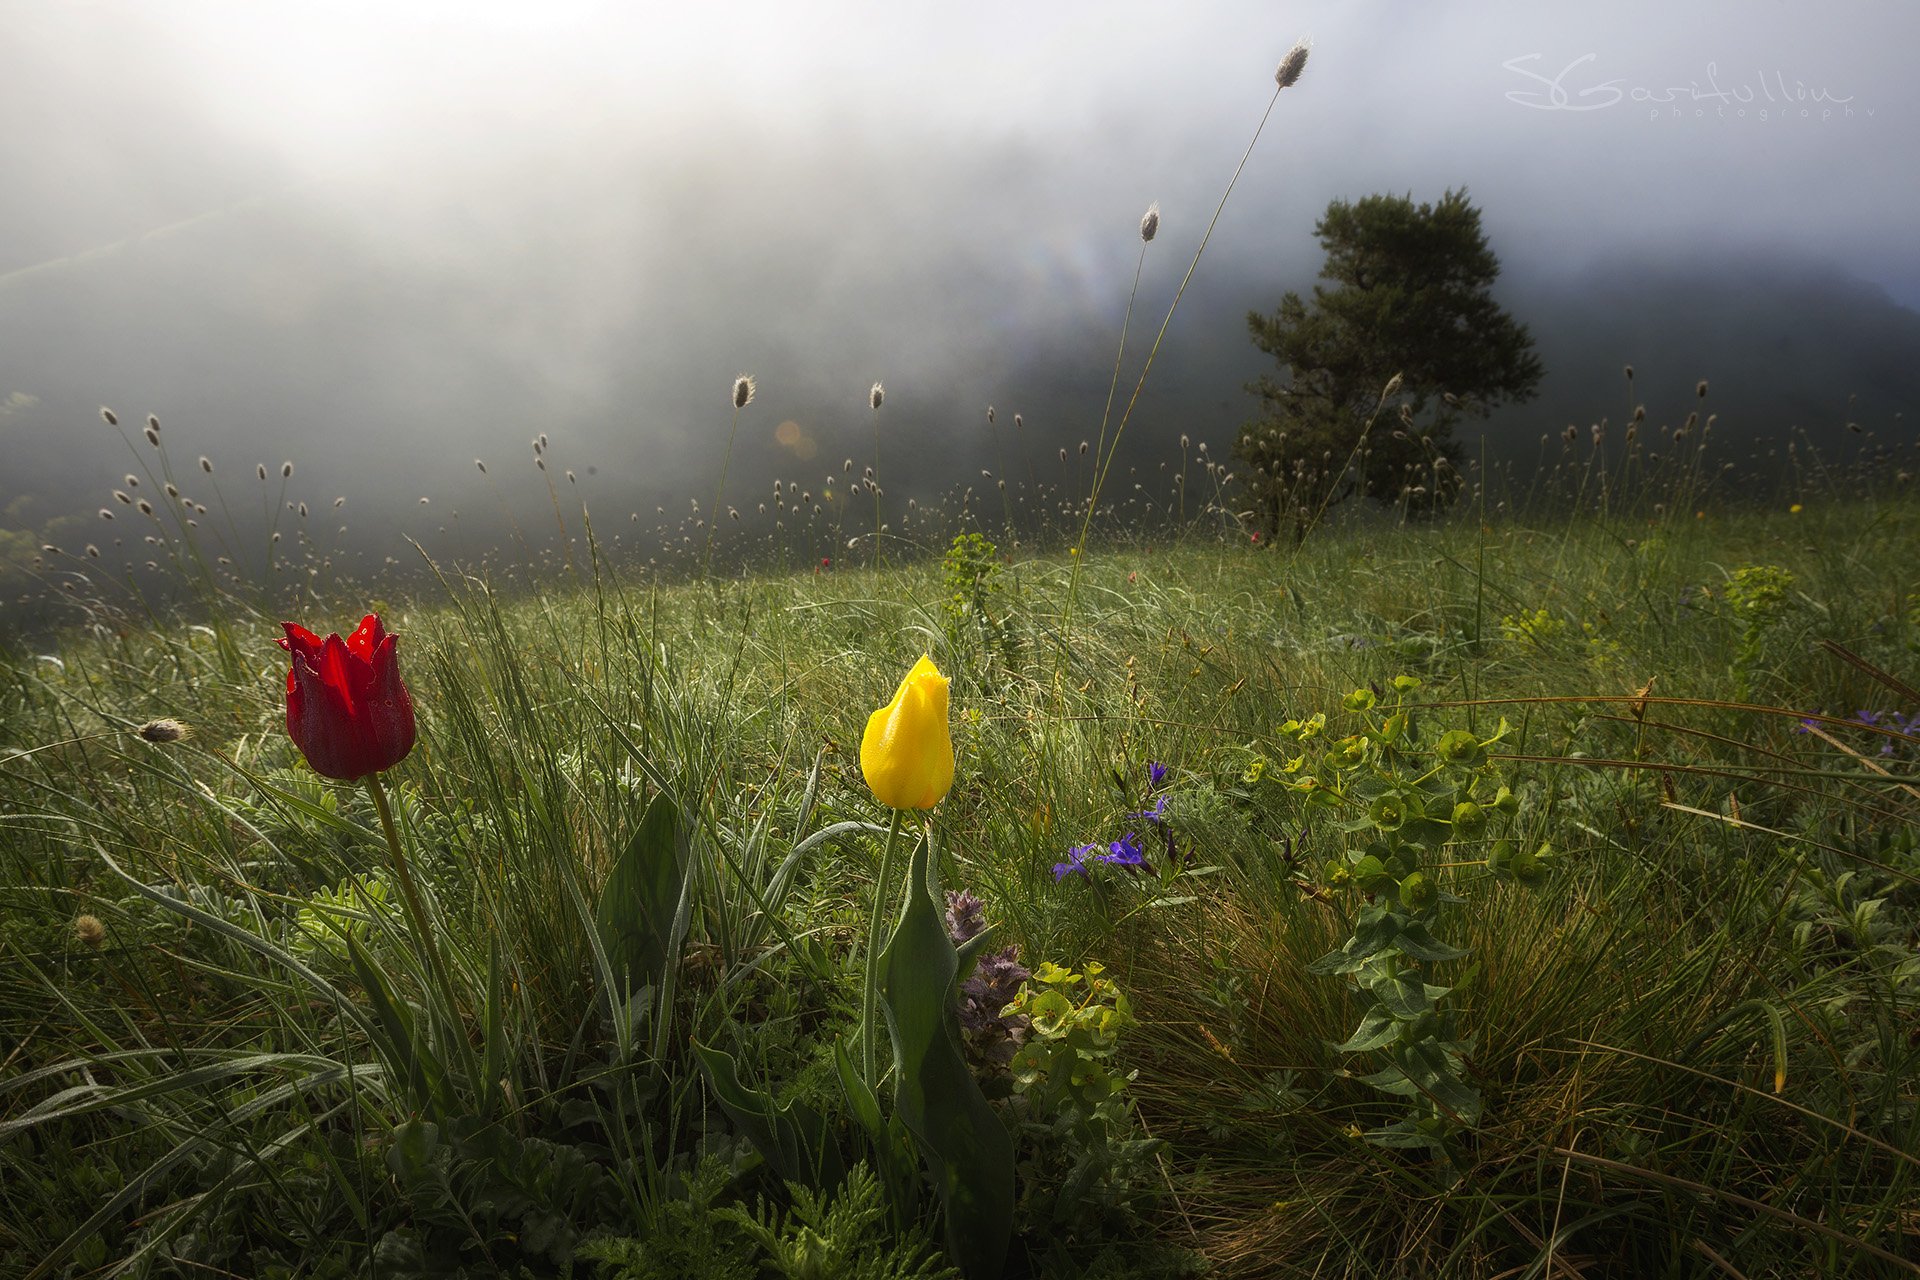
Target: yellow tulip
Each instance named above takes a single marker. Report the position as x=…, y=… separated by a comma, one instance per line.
x=906, y=754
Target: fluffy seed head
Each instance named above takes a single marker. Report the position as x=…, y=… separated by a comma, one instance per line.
x=112, y=419
x=876, y=396
x=162, y=731
x=743, y=389
x=1701, y=390
x=1150, y=222
x=153, y=436
x=286, y=470
x=1291, y=66
x=89, y=932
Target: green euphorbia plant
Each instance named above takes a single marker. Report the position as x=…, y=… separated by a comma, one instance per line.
x=1402, y=798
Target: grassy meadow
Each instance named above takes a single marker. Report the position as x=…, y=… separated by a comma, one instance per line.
x=1640, y=790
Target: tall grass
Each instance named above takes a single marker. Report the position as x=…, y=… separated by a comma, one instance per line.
x=1697, y=1042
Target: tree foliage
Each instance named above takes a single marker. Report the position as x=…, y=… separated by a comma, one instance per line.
x=1406, y=294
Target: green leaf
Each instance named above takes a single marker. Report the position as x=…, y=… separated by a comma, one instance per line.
x=1414, y=1131
x=792, y=1139
x=969, y=952
x=860, y=1099
x=1392, y=1080
x=1417, y=942
x=1403, y=995
x=410, y=1156
x=1377, y=1027
x=1436, y=1072
x=1373, y=931
x=1336, y=962
x=968, y=1153
x=1457, y=746
x=493, y=1034
x=637, y=904
x=891, y=1144
x=398, y=1041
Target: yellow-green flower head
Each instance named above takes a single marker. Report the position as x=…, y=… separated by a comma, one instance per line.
x=907, y=755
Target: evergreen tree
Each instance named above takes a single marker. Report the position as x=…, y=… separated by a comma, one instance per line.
x=1406, y=295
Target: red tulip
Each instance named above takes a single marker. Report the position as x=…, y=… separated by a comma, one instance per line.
x=347, y=709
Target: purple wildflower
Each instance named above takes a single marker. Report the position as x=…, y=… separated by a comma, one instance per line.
x=966, y=916
x=1156, y=815
x=1076, y=861
x=1156, y=774
x=1124, y=852
x=990, y=1036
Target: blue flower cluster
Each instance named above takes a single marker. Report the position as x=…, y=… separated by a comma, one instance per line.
x=1891, y=722
x=1126, y=851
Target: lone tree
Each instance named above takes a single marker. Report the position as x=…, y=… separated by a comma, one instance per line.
x=1409, y=298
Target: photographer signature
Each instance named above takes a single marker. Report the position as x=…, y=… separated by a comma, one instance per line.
x=1553, y=93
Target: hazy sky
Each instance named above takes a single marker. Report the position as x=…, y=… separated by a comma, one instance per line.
x=384, y=239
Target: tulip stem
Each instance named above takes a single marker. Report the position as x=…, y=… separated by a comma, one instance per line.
x=869, y=1020
x=416, y=911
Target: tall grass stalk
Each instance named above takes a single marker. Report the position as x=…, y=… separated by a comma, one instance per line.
x=1103, y=460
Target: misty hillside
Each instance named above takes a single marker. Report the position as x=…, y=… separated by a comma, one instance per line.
x=1785, y=342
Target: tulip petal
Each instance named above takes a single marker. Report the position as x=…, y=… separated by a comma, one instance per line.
x=366, y=638
x=388, y=707
x=298, y=639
